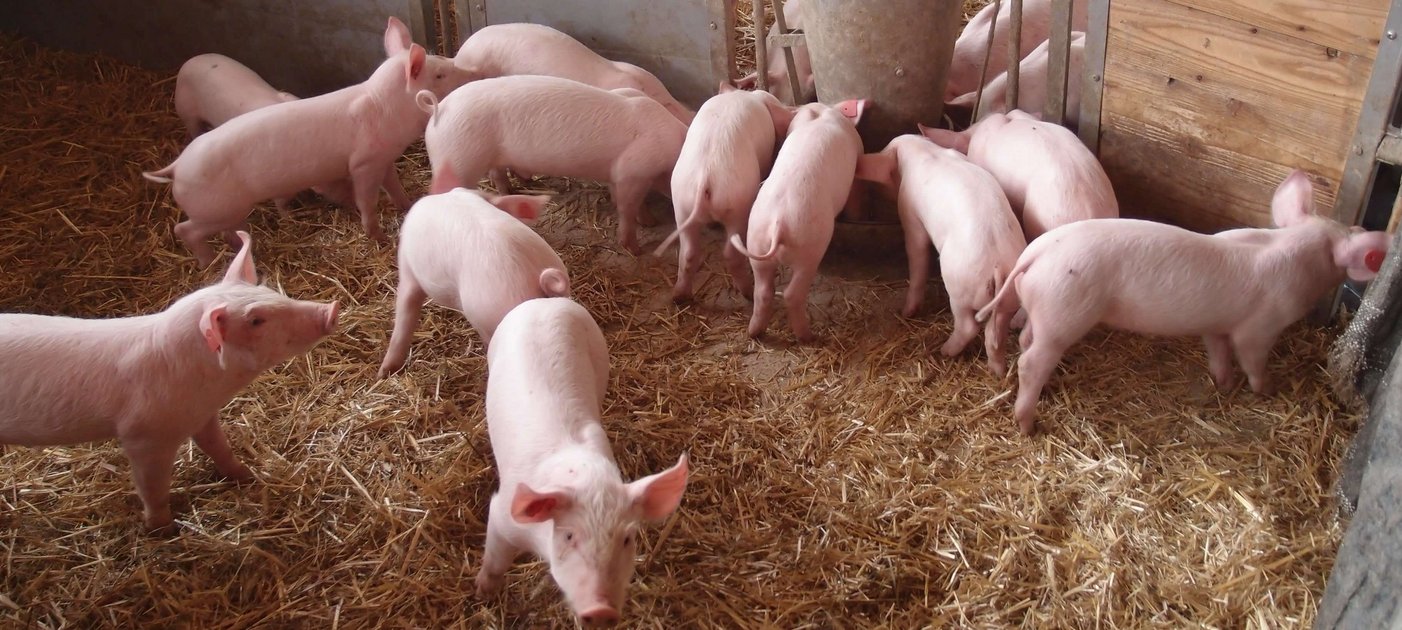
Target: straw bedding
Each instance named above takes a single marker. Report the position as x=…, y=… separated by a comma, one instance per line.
x=862, y=480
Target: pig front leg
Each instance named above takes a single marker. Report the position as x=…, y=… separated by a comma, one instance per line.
x=1219, y=360
x=764, y=272
x=367, y=181
x=917, y=251
x=1253, y=350
x=211, y=439
x=498, y=554
x=152, y=463
x=500, y=180
x=628, y=198
x=796, y=301
x=965, y=330
x=395, y=188
x=409, y=302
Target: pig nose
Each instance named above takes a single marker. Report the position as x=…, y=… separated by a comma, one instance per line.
x=332, y=312
x=599, y=617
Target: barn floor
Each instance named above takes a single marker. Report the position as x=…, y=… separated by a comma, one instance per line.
x=860, y=480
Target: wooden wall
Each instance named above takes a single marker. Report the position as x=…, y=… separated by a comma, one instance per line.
x=1208, y=104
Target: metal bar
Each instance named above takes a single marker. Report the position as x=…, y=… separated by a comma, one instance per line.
x=788, y=52
x=1093, y=84
x=1014, y=54
x=761, y=56
x=722, y=40
x=980, y=107
x=1390, y=148
x=1378, y=103
x=479, y=15
x=1059, y=52
x=445, y=28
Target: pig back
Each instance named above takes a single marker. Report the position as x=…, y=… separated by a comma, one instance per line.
x=547, y=372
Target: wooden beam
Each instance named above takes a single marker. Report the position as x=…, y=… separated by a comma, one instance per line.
x=1058, y=57
x=1351, y=26
x=788, y=52
x=761, y=58
x=1093, y=84
x=1014, y=53
x=722, y=25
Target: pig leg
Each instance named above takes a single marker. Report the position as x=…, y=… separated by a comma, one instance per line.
x=284, y=206
x=500, y=181
x=196, y=240
x=1253, y=349
x=395, y=188
x=446, y=179
x=796, y=301
x=367, y=199
x=409, y=303
x=965, y=330
x=628, y=197
x=993, y=337
x=212, y=441
x=231, y=236
x=498, y=554
x=740, y=273
x=1042, y=351
x=689, y=261
x=917, y=251
x=1219, y=360
x=764, y=272
x=152, y=463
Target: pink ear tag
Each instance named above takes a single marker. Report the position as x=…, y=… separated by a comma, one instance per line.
x=1374, y=260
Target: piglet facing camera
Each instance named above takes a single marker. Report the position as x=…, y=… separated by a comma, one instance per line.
x=152, y=381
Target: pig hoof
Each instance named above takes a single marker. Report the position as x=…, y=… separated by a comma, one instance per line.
x=240, y=475
x=160, y=524
x=909, y=311
x=487, y=586
x=681, y=297
x=1027, y=426
x=388, y=368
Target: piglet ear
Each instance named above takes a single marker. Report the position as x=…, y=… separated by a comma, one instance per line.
x=1293, y=201
x=241, y=271
x=396, y=37
x=963, y=101
x=959, y=141
x=657, y=496
x=213, y=323
x=877, y=167
x=854, y=108
x=524, y=207
x=529, y=506
x=725, y=87
x=747, y=82
x=416, y=62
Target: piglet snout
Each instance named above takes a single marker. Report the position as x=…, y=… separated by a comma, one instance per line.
x=599, y=617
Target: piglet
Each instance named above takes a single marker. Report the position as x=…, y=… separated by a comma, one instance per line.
x=211, y=89
x=778, y=75
x=793, y=215
x=552, y=126
x=519, y=48
x=152, y=381
x=728, y=151
x=561, y=496
x=358, y=131
x=945, y=199
x=473, y=253
x=1237, y=291
x=1033, y=82
x=1050, y=178
x=966, y=65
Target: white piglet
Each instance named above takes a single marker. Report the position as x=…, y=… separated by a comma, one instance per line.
x=793, y=216
x=471, y=252
x=552, y=126
x=152, y=381
x=1032, y=84
x=356, y=132
x=561, y=496
x=944, y=199
x=728, y=151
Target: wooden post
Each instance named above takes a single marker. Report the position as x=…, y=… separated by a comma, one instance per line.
x=1059, y=51
x=1093, y=81
x=1014, y=54
x=981, y=108
x=788, y=51
x=761, y=57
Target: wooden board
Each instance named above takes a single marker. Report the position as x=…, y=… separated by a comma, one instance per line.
x=1351, y=26
x=1203, y=116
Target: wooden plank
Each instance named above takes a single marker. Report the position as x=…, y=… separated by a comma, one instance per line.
x=1058, y=56
x=1187, y=83
x=722, y=25
x=1351, y=26
x=1014, y=52
x=761, y=56
x=1092, y=84
x=1378, y=105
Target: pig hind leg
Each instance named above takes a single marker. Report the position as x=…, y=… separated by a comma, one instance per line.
x=211, y=439
x=993, y=337
x=764, y=272
x=628, y=196
x=796, y=300
x=408, y=306
x=395, y=188
x=196, y=239
x=965, y=330
x=1219, y=360
x=152, y=463
x=688, y=261
x=1039, y=359
x=500, y=180
x=367, y=183
x=1253, y=350
x=740, y=273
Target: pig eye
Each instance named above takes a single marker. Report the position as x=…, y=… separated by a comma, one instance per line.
x=257, y=321
x=569, y=536
x=628, y=540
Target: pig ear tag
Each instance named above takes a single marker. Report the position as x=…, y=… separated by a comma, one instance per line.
x=1374, y=260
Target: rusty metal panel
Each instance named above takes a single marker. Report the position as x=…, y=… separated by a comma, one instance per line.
x=673, y=39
